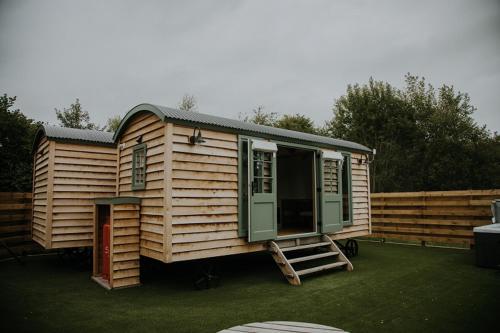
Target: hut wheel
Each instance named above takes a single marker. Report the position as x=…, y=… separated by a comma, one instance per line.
x=207, y=277
x=351, y=248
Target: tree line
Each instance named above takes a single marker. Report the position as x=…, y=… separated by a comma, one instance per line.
x=426, y=138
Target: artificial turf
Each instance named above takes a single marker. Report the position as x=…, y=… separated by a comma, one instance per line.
x=393, y=288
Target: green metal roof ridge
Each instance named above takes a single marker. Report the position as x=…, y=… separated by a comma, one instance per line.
x=232, y=125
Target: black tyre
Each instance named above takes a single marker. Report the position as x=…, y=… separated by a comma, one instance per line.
x=351, y=248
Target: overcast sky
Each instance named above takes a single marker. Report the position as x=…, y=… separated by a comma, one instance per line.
x=289, y=56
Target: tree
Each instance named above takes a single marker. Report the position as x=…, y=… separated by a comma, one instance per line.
x=113, y=124
x=426, y=139
x=260, y=117
x=16, y=139
x=296, y=122
x=188, y=103
x=75, y=117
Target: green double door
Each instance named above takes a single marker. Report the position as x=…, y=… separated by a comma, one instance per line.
x=262, y=194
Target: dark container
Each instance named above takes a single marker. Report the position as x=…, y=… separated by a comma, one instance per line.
x=487, y=245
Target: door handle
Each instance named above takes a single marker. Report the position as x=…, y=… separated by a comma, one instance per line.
x=253, y=188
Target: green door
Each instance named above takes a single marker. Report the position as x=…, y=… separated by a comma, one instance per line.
x=331, y=195
x=263, y=214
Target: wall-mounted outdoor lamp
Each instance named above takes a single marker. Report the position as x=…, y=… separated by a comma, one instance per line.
x=367, y=159
x=139, y=139
x=196, y=138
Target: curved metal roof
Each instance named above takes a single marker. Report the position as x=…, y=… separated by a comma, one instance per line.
x=236, y=126
x=66, y=134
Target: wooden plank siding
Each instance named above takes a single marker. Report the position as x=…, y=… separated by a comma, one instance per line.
x=125, y=246
x=81, y=173
x=360, y=201
x=437, y=216
x=40, y=181
x=205, y=196
x=152, y=214
x=66, y=179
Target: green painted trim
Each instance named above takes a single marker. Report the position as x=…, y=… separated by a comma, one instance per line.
x=144, y=107
x=349, y=180
x=118, y=201
x=284, y=143
x=139, y=147
x=242, y=218
x=319, y=190
x=38, y=136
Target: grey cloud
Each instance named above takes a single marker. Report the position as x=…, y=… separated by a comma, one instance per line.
x=291, y=56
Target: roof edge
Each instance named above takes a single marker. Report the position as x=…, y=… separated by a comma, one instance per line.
x=42, y=132
x=157, y=110
x=143, y=107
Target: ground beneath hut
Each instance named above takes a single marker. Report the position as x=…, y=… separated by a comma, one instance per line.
x=394, y=288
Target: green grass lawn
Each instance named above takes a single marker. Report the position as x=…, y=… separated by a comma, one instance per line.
x=393, y=288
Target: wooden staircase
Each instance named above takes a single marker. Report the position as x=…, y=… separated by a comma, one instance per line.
x=315, y=254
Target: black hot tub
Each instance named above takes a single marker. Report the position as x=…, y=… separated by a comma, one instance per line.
x=487, y=239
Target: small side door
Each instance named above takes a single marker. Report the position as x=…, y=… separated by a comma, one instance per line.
x=331, y=191
x=263, y=212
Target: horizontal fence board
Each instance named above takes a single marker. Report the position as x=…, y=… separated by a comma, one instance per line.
x=432, y=216
x=15, y=224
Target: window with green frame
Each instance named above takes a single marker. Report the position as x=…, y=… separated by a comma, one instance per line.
x=139, y=167
x=346, y=190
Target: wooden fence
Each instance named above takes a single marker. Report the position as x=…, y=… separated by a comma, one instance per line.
x=15, y=223
x=437, y=217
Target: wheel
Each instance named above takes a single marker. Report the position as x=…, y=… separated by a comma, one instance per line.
x=351, y=248
x=206, y=277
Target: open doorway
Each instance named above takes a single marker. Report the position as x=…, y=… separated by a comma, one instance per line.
x=101, y=267
x=295, y=191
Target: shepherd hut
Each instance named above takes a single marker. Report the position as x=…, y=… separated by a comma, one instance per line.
x=187, y=185
x=71, y=167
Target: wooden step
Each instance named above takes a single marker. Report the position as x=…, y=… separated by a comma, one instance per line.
x=321, y=268
x=312, y=257
x=302, y=247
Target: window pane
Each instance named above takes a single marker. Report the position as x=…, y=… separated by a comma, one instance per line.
x=267, y=186
x=139, y=167
x=330, y=176
x=262, y=172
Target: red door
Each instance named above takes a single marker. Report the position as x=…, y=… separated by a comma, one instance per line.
x=105, y=251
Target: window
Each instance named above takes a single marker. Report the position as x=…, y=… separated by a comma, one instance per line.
x=330, y=171
x=346, y=190
x=262, y=172
x=139, y=167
